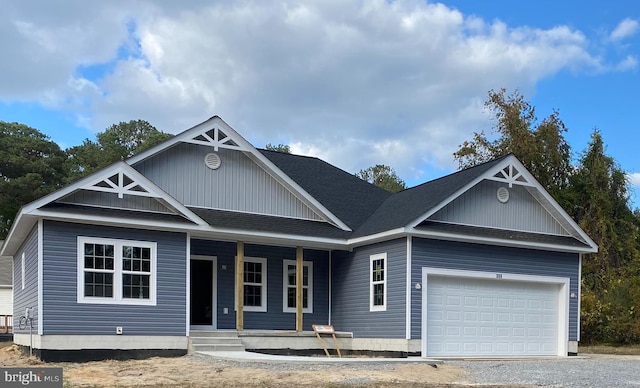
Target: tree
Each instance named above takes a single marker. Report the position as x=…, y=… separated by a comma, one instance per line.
x=594, y=192
x=611, y=288
x=279, y=148
x=540, y=146
x=382, y=176
x=31, y=165
x=118, y=142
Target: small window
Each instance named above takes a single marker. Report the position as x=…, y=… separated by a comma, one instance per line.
x=378, y=282
x=289, y=286
x=255, y=284
x=116, y=271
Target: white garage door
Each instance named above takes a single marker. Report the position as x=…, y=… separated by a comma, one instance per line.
x=486, y=317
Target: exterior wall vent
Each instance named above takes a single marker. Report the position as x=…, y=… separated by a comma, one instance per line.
x=212, y=161
x=503, y=194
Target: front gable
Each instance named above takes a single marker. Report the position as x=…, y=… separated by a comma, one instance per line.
x=211, y=166
x=236, y=183
x=504, y=205
x=492, y=204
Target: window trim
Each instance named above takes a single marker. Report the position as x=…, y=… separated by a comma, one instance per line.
x=118, y=272
x=372, y=258
x=285, y=287
x=263, y=285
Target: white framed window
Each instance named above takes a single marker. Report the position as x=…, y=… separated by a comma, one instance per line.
x=22, y=270
x=116, y=271
x=378, y=282
x=289, y=286
x=255, y=284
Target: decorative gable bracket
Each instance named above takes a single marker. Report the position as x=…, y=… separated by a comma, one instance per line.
x=121, y=184
x=510, y=175
x=215, y=138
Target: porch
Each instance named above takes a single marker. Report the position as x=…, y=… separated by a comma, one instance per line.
x=293, y=343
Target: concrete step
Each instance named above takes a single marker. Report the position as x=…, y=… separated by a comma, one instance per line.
x=218, y=347
x=217, y=333
x=216, y=340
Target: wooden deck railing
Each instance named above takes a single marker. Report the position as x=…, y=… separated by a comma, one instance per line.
x=6, y=324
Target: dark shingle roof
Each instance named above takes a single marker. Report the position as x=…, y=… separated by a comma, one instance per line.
x=402, y=208
x=348, y=197
x=500, y=234
x=264, y=223
x=118, y=213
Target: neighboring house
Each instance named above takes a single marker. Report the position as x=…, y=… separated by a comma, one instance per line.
x=482, y=262
x=6, y=286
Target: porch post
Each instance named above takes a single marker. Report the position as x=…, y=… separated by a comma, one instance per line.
x=299, y=280
x=240, y=286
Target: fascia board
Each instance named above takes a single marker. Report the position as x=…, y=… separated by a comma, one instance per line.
x=382, y=236
x=203, y=231
x=19, y=230
x=500, y=242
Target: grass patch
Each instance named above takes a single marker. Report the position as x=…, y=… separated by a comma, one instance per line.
x=625, y=350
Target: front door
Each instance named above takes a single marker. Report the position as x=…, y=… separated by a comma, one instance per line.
x=203, y=292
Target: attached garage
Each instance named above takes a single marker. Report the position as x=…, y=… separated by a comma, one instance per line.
x=482, y=314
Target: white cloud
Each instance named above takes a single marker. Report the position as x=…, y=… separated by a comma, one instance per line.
x=629, y=63
x=356, y=83
x=624, y=29
x=634, y=179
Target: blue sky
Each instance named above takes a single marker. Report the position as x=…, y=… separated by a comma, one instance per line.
x=354, y=82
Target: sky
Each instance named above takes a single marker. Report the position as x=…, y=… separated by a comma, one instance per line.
x=353, y=82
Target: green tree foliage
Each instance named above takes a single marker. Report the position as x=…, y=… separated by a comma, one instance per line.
x=118, y=142
x=594, y=192
x=539, y=145
x=611, y=283
x=382, y=176
x=285, y=149
x=31, y=165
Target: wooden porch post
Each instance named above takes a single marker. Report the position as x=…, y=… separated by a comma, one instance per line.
x=299, y=280
x=240, y=286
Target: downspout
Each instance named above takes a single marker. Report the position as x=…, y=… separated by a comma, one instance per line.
x=330, y=285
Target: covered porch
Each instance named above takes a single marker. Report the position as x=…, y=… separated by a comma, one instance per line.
x=242, y=287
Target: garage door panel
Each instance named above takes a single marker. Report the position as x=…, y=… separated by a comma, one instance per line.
x=486, y=317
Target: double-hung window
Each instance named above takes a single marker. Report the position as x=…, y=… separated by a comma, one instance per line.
x=378, y=282
x=116, y=271
x=255, y=284
x=289, y=286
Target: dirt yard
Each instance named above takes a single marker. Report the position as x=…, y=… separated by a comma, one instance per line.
x=203, y=371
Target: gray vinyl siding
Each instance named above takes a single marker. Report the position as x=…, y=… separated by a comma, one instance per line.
x=239, y=184
x=350, y=292
x=63, y=315
x=480, y=206
x=274, y=318
x=476, y=257
x=29, y=296
x=111, y=200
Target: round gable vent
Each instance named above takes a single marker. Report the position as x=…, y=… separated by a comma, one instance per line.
x=212, y=161
x=503, y=194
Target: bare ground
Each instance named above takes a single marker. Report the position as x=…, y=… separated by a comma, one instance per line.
x=204, y=371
